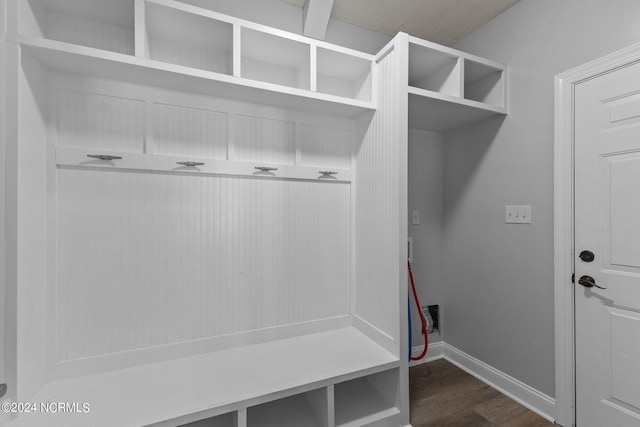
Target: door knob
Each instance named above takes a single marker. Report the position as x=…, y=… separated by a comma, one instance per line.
x=587, y=256
x=589, y=282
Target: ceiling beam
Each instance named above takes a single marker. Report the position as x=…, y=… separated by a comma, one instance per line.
x=316, y=18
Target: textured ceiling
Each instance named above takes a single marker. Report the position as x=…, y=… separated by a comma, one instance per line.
x=441, y=21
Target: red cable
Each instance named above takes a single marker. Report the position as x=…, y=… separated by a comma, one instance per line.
x=422, y=319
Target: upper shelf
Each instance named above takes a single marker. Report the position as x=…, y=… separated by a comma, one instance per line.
x=183, y=47
x=450, y=89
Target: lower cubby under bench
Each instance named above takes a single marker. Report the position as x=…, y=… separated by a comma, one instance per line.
x=334, y=378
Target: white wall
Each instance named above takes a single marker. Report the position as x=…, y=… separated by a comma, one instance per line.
x=426, y=156
x=499, y=277
x=288, y=17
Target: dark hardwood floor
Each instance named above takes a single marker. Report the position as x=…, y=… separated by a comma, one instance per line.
x=443, y=395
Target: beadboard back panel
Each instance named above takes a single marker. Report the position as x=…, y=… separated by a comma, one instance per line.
x=146, y=261
x=325, y=146
x=102, y=122
x=200, y=56
x=265, y=140
x=84, y=32
x=150, y=259
x=193, y=132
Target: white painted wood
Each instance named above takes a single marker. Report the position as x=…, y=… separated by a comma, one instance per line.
x=316, y=15
x=565, y=84
x=30, y=18
x=606, y=175
x=264, y=141
x=29, y=261
x=141, y=36
x=114, y=12
x=10, y=168
x=325, y=146
x=331, y=407
x=237, y=46
x=99, y=122
x=3, y=143
x=434, y=70
x=437, y=112
x=161, y=163
x=189, y=132
x=318, y=400
x=358, y=402
x=58, y=21
x=83, y=32
x=188, y=257
x=217, y=380
x=78, y=59
x=293, y=411
x=449, y=88
x=377, y=206
x=188, y=39
x=273, y=59
x=343, y=75
x=483, y=83
x=226, y=420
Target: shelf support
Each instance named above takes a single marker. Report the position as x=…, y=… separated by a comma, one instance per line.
x=237, y=54
x=141, y=40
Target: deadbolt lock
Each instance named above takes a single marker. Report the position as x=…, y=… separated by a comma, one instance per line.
x=587, y=256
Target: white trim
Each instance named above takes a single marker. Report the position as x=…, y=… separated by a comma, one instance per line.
x=563, y=221
x=435, y=352
x=522, y=393
x=527, y=396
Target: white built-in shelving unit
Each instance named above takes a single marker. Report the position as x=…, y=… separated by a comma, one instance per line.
x=450, y=89
x=208, y=216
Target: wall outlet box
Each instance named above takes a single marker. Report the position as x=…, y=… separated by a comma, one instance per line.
x=517, y=214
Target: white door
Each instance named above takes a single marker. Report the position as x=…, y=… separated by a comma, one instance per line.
x=607, y=223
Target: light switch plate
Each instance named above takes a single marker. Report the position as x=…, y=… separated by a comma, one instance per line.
x=517, y=214
x=415, y=217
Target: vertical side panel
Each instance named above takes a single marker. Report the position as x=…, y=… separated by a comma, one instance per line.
x=381, y=215
x=378, y=206
x=3, y=142
x=30, y=240
x=141, y=42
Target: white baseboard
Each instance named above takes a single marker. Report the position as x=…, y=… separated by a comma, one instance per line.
x=527, y=396
x=435, y=352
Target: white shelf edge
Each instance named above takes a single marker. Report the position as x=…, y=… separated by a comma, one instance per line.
x=77, y=157
x=461, y=101
x=63, y=56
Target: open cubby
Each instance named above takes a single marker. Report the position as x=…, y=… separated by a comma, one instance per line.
x=107, y=25
x=188, y=39
x=274, y=59
x=309, y=409
x=343, y=75
x=225, y=420
x=483, y=83
x=434, y=70
x=366, y=400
